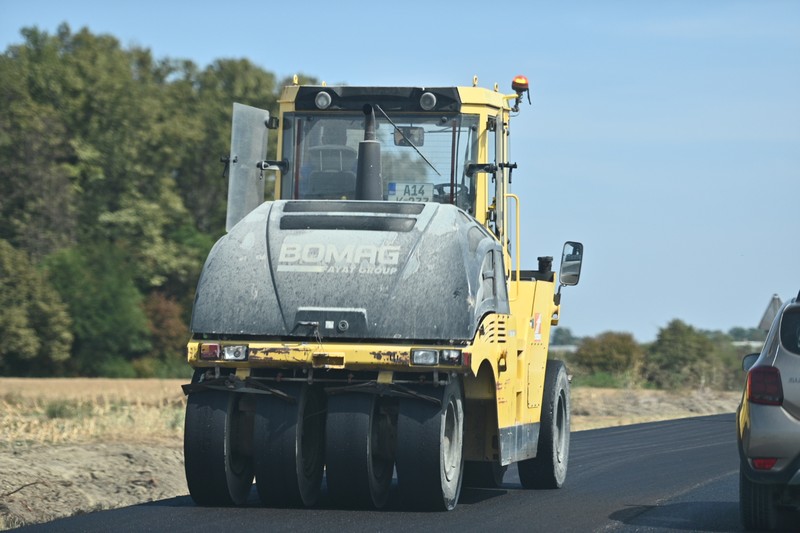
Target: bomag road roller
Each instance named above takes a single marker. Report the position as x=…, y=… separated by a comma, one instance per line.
x=371, y=326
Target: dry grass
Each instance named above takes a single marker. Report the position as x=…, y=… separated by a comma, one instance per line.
x=597, y=408
x=54, y=411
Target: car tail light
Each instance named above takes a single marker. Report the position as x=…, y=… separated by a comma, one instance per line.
x=764, y=385
x=764, y=463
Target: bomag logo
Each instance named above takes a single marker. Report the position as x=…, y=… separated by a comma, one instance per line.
x=349, y=259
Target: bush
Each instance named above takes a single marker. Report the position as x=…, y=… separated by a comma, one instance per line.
x=603, y=380
x=610, y=353
x=109, y=323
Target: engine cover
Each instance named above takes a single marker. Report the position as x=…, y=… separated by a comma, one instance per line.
x=386, y=271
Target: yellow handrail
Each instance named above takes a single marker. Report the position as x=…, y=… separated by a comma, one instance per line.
x=516, y=243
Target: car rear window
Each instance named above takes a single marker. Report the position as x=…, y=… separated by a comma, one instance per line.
x=790, y=330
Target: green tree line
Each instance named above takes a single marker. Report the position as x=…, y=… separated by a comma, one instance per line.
x=111, y=195
x=680, y=357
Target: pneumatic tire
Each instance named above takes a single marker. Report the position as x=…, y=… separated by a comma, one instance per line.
x=359, y=449
x=429, y=456
x=216, y=448
x=289, y=445
x=758, y=507
x=548, y=469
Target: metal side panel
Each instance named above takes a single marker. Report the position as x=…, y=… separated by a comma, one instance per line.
x=518, y=443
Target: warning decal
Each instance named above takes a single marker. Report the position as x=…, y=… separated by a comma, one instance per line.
x=537, y=326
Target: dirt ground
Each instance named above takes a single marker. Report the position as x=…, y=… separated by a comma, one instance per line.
x=41, y=482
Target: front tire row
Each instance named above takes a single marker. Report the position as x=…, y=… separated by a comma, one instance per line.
x=289, y=441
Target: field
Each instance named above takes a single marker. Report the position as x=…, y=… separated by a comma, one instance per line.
x=78, y=445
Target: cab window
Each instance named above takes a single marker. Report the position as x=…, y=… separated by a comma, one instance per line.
x=423, y=158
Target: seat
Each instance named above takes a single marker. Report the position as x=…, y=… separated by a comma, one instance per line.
x=332, y=157
x=332, y=185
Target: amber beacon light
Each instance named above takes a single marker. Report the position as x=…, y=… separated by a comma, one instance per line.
x=520, y=86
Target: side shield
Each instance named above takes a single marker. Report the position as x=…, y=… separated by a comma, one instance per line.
x=248, y=148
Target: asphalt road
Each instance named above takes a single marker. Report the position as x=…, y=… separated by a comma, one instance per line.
x=680, y=475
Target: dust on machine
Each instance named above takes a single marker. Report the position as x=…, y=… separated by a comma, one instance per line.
x=373, y=324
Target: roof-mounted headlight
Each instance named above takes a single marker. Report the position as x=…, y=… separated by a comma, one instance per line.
x=427, y=101
x=322, y=100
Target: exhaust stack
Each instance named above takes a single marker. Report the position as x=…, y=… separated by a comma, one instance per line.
x=368, y=172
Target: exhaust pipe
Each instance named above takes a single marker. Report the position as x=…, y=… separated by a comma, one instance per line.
x=369, y=185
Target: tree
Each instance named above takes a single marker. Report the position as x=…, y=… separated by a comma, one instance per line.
x=144, y=232
x=563, y=337
x=680, y=357
x=168, y=335
x=110, y=179
x=38, y=202
x=617, y=354
x=109, y=323
x=34, y=323
x=747, y=334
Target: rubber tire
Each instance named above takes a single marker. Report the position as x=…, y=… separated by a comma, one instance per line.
x=430, y=459
x=218, y=470
x=548, y=470
x=757, y=506
x=359, y=450
x=483, y=474
x=289, y=444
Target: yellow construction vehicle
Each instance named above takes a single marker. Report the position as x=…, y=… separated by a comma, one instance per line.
x=374, y=316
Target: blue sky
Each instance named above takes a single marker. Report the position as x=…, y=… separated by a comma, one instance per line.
x=664, y=135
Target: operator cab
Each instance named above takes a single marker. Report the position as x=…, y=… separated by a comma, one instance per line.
x=445, y=145
x=424, y=155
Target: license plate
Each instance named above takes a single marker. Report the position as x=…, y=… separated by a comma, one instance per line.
x=410, y=192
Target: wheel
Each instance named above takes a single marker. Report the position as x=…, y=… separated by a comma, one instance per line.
x=758, y=507
x=548, y=469
x=359, y=449
x=289, y=444
x=429, y=448
x=216, y=448
x=483, y=474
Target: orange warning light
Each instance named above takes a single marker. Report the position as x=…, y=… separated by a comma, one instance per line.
x=520, y=84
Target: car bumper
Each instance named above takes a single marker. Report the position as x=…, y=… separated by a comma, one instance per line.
x=770, y=431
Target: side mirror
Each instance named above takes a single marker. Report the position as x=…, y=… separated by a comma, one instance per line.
x=571, y=260
x=749, y=360
x=409, y=136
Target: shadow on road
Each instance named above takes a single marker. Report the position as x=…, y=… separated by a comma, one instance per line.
x=686, y=516
x=469, y=496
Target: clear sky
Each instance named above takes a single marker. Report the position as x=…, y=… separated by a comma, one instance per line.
x=664, y=134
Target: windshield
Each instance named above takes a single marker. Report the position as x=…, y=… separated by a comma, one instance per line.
x=423, y=158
